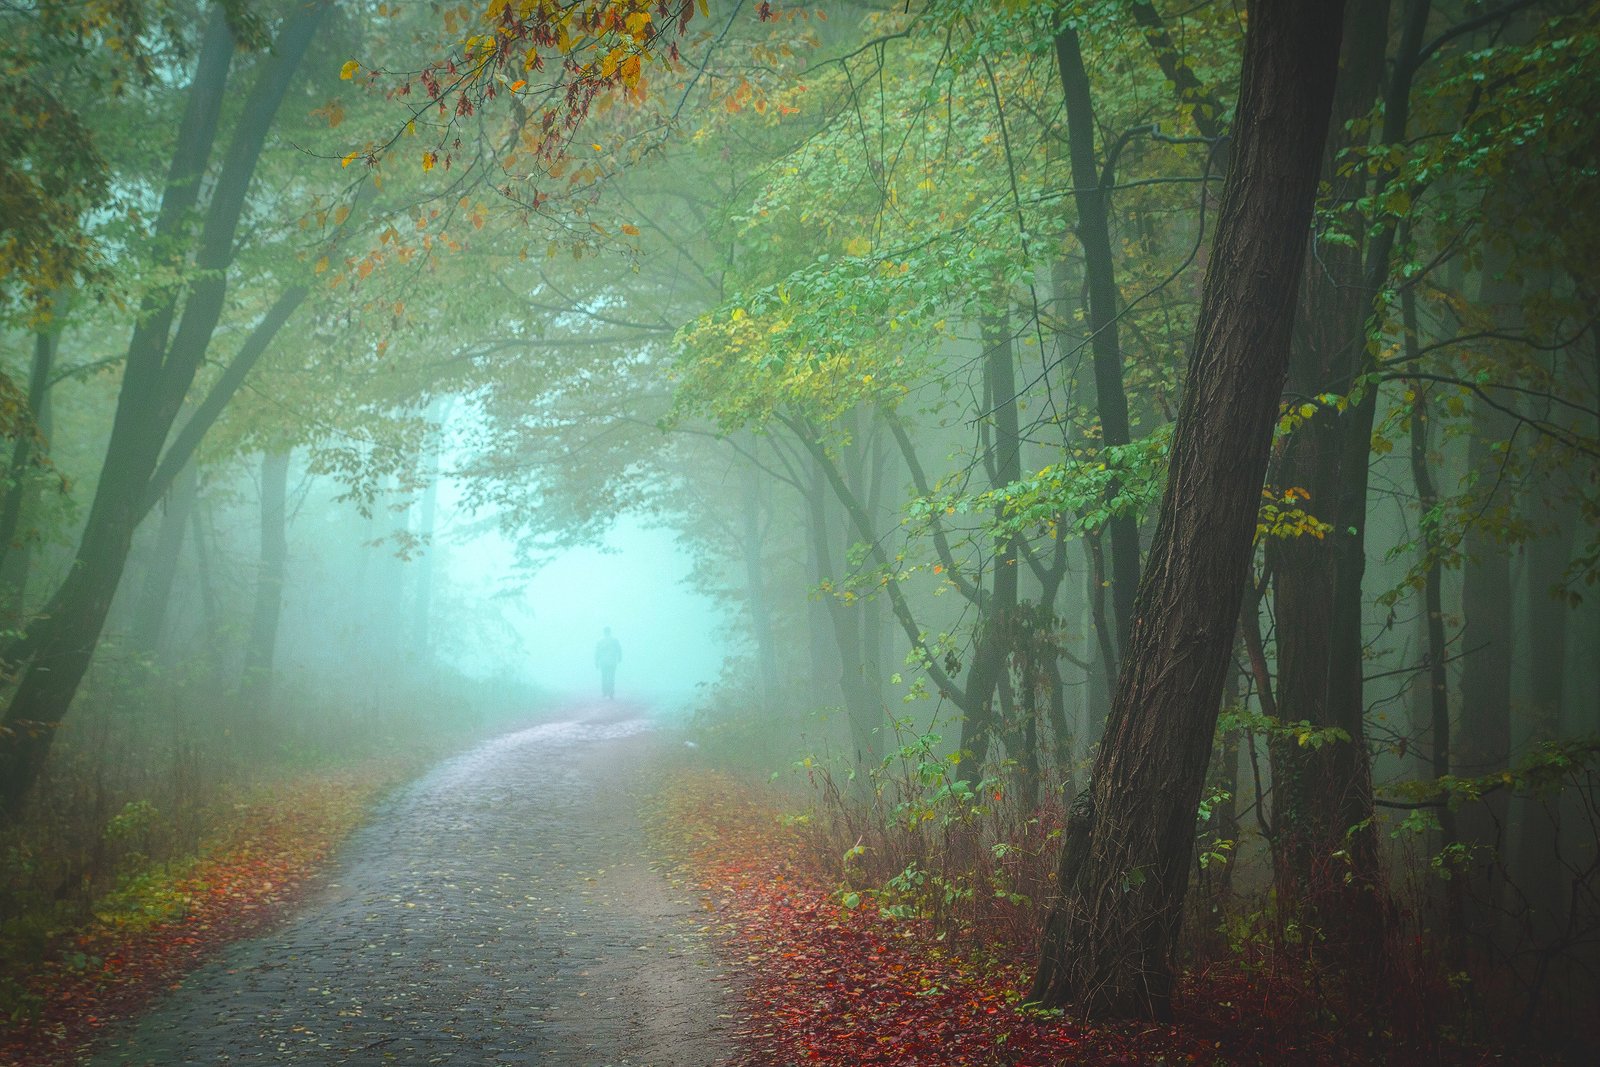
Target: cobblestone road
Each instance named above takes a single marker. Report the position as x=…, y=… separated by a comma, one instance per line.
x=501, y=910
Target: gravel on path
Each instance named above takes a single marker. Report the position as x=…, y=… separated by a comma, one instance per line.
x=500, y=910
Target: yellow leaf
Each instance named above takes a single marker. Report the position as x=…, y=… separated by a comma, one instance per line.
x=341, y=213
x=349, y=70
x=630, y=229
x=322, y=264
x=428, y=159
x=351, y=158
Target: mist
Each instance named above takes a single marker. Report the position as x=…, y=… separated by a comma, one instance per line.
x=745, y=534
x=636, y=582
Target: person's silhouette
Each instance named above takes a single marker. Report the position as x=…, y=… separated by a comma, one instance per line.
x=607, y=654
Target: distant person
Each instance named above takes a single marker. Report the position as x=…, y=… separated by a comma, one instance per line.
x=607, y=654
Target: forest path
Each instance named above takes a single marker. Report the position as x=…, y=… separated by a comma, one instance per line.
x=500, y=910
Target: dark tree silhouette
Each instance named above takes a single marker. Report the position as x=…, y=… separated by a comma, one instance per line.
x=1125, y=863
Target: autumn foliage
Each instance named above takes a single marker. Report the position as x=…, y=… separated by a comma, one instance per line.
x=147, y=937
x=827, y=984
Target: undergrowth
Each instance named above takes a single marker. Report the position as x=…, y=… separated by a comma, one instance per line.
x=899, y=926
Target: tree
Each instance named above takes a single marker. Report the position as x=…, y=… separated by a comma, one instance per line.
x=164, y=355
x=1110, y=935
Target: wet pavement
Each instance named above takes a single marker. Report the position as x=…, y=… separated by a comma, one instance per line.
x=501, y=910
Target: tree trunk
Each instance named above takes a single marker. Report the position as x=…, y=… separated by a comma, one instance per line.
x=1484, y=739
x=1538, y=872
x=150, y=620
x=156, y=379
x=15, y=547
x=421, y=637
x=1094, y=234
x=210, y=610
x=1109, y=939
x=997, y=612
x=757, y=598
x=1326, y=857
x=863, y=706
x=255, y=686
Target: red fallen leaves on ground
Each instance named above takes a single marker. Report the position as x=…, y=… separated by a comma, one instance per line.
x=830, y=986
x=241, y=885
x=827, y=985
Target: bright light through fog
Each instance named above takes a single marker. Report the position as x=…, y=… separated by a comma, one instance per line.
x=670, y=634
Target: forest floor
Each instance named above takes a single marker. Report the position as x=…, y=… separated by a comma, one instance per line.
x=501, y=909
x=582, y=893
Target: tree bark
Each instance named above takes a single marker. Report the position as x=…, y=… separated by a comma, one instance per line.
x=260, y=650
x=15, y=550
x=157, y=377
x=863, y=702
x=1326, y=856
x=1109, y=939
x=150, y=620
x=1538, y=871
x=1094, y=233
x=1484, y=738
x=997, y=612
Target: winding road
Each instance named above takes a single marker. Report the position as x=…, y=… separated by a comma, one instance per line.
x=500, y=910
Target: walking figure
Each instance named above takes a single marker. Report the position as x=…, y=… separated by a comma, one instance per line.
x=607, y=654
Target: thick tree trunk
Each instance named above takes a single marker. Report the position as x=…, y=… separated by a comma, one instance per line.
x=1109, y=938
x=255, y=685
x=1094, y=234
x=1326, y=857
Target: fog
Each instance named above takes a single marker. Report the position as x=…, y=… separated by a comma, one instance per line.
x=362, y=366
x=637, y=581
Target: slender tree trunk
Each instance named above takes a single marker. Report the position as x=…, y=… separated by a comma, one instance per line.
x=1094, y=233
x=1110, y=936
x=1436, y=654
x=261, y=648
x=1537, y=856
x=997, y=613
x=1103, y=653
x=862, y=706
x=150, y=620
x=757, y=598
x=16, y=551
x=427, y=521
x=210, y=612
x=819, y=626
